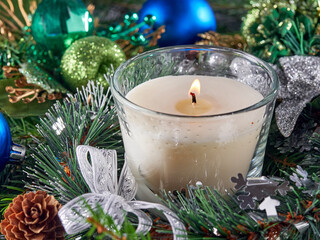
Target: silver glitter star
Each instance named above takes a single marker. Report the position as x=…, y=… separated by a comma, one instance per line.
x=299, y=84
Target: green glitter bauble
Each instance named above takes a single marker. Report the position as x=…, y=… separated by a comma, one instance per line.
x=88, y=59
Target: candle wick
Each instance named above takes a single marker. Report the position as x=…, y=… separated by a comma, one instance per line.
x=194, y=99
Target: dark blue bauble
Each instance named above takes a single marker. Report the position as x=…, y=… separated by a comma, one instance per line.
x=184, y=19
x=5, y=142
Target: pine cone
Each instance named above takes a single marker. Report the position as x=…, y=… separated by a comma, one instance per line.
x=33, y=215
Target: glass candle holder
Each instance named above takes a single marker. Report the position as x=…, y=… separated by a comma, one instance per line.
x=173, y=136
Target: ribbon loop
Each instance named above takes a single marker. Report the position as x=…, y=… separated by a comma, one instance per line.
x=178, y=228
x=101, y=174
x=127, y=183
x=99, y=169
x=73, y=215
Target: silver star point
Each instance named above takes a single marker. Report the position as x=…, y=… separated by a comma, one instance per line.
x=299, y=84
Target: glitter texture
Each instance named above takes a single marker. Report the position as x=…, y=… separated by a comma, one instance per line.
x=299, y=84
x=88, y=59
x=37, y=76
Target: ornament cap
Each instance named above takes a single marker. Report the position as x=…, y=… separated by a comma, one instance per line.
x=17, y=153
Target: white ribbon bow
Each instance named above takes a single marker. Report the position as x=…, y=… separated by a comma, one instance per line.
x=115, y=198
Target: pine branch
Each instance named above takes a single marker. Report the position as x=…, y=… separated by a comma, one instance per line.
x=103, y=226
x=86, y=118
x=10, y=186
x=23, y=129
x=312, y=161
x=300, y=148
x=210, y=215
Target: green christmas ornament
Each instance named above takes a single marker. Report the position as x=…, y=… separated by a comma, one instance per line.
x=88, y=59
x=38, y=77
x=58, y=23
x=273, y=29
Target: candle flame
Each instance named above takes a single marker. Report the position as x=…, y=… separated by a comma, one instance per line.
x=195, y=87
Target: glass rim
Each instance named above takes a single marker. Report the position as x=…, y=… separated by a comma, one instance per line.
x=266, y=99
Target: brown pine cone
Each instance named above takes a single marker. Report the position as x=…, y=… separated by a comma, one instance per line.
x=32, y=216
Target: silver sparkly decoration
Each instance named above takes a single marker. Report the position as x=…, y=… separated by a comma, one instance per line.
x=301, y=180
x=114, y=197
x=302, y=226
x=269, y=205
x=299, y=84
x=261, y=188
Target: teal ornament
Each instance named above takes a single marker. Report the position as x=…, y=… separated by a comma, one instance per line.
x=131, y=18
x=183, y=19
x=9, y=151
x=138, y=39
x=150, y=19
x=56, y=24
x=128, y=30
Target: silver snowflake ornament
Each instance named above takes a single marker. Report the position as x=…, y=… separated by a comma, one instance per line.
x=258, y=189
x=301, y=180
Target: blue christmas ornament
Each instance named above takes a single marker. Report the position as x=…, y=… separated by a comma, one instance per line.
x=184, y=19
x=9, y=151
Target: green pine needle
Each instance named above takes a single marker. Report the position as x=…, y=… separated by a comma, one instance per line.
x=104, y=227
x=210, y=215
x=86, y=118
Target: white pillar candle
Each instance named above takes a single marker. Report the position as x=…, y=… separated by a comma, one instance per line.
x=176, y=147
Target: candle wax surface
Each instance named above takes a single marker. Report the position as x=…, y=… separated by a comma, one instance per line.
x=170, y=94
x=168, y=152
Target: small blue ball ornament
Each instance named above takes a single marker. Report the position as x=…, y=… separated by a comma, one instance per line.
x=184, y=19
x=9, y=151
